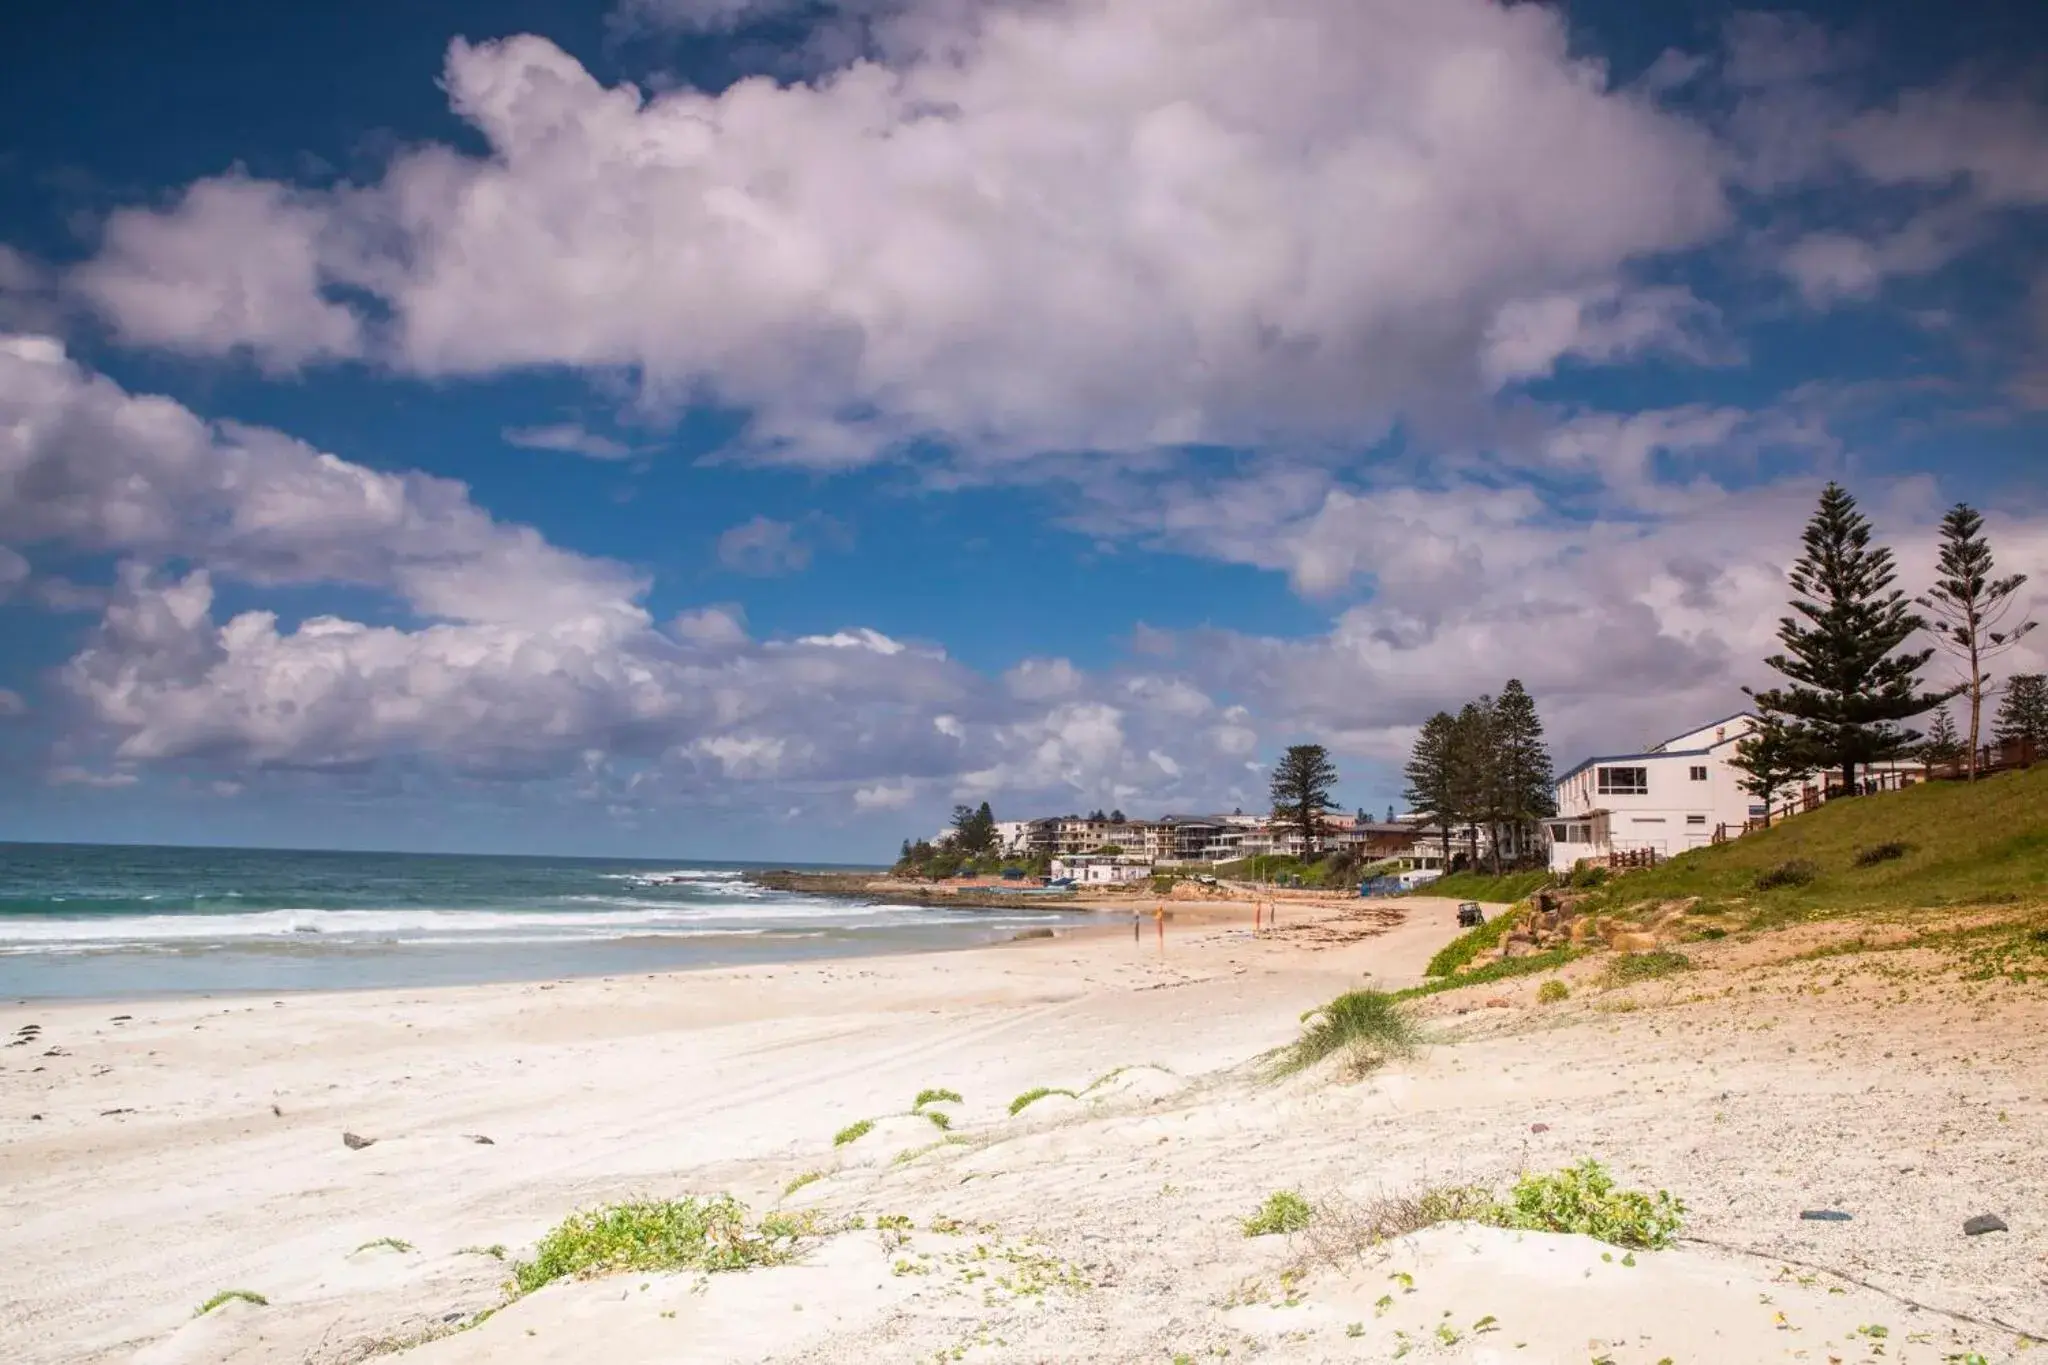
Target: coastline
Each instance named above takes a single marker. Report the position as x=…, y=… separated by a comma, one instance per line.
x=196, y=1146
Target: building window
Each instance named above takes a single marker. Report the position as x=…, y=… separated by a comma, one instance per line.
x=1695, y=819
x=1623, y=781
x=1699, y=772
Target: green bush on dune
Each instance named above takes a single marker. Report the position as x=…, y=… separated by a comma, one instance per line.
x=660, y=1234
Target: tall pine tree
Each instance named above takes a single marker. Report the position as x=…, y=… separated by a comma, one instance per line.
x=1475, y=777
x=1430, y=788
x=1970, y=607
x=1848, y=683
x=1303, y=783
x=1524, y=766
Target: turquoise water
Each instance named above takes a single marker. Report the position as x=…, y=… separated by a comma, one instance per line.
x=110, y=921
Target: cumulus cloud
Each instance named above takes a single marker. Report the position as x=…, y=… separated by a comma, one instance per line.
x=11, y=704
x=88, y=465
x=235, y=264
x=1089, y=224
x=570, y=438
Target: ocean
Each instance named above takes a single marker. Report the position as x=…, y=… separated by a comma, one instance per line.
x=103, y=921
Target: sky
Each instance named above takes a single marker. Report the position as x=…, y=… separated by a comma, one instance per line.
x=746, y=428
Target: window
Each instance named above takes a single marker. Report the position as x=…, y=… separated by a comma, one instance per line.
x=1699, y=772
x=1695, y=819
x=1623, y=781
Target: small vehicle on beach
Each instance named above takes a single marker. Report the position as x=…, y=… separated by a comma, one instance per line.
x=1470, y=916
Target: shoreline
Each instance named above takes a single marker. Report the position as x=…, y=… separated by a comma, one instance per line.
x=159, y=1153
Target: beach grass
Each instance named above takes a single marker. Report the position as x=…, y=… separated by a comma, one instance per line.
x=853, y=1132
x=798, y=1182
x=385, y=1243
x=936, y=1096
x=228, y=1296
x=1034, y=1095
x=1369, y=1026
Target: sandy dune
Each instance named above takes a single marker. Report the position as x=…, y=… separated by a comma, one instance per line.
x=1103, y=1227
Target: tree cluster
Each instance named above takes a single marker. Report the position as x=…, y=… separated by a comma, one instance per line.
x=1486, y=767
x=1850, y=681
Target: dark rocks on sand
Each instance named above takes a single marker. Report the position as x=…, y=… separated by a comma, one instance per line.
x=354, y=1143
x=480, y=1140
x=1983, y=1223
x=1825, y=1216
x=1539, y=1127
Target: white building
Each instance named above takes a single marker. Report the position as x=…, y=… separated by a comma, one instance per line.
x=1667, y=799
x=1100, y=869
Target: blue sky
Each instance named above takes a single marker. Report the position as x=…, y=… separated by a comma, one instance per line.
x=746, y=427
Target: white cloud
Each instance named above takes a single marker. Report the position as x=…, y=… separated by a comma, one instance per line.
x=85, y=464
x=569, y=438
x=1528, y=337
x=234, y=265
x=861, y=638
x=1089, y=224
x=11, y=704
x=763, y=546
x=884, y=796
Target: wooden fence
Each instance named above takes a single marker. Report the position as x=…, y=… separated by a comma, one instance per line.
x=2007, y=756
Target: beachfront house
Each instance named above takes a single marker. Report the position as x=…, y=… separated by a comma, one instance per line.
x=1096, y=869
x=1664, y=800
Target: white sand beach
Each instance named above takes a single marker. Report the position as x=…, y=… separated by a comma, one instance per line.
x=155, y=1153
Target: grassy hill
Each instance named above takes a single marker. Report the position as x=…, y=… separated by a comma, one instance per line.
x=1949, y=866
x=1942, y=844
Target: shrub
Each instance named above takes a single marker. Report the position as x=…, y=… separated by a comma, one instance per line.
x=1460, y=951
x=1343, y=1229
x=245, y=1295
x=1633, y=967
x=1796, y=872
x=1370, y=1025
x=852, y=1132
x=1034, y=1095
x=1583, y=1199
x=1283, y=1211
x=659, y=1234
x=800, y=1181
x=1587, y=877
x=941, y=1120
x=1889, y=851
x=925, y=1097
x=1551, y=992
